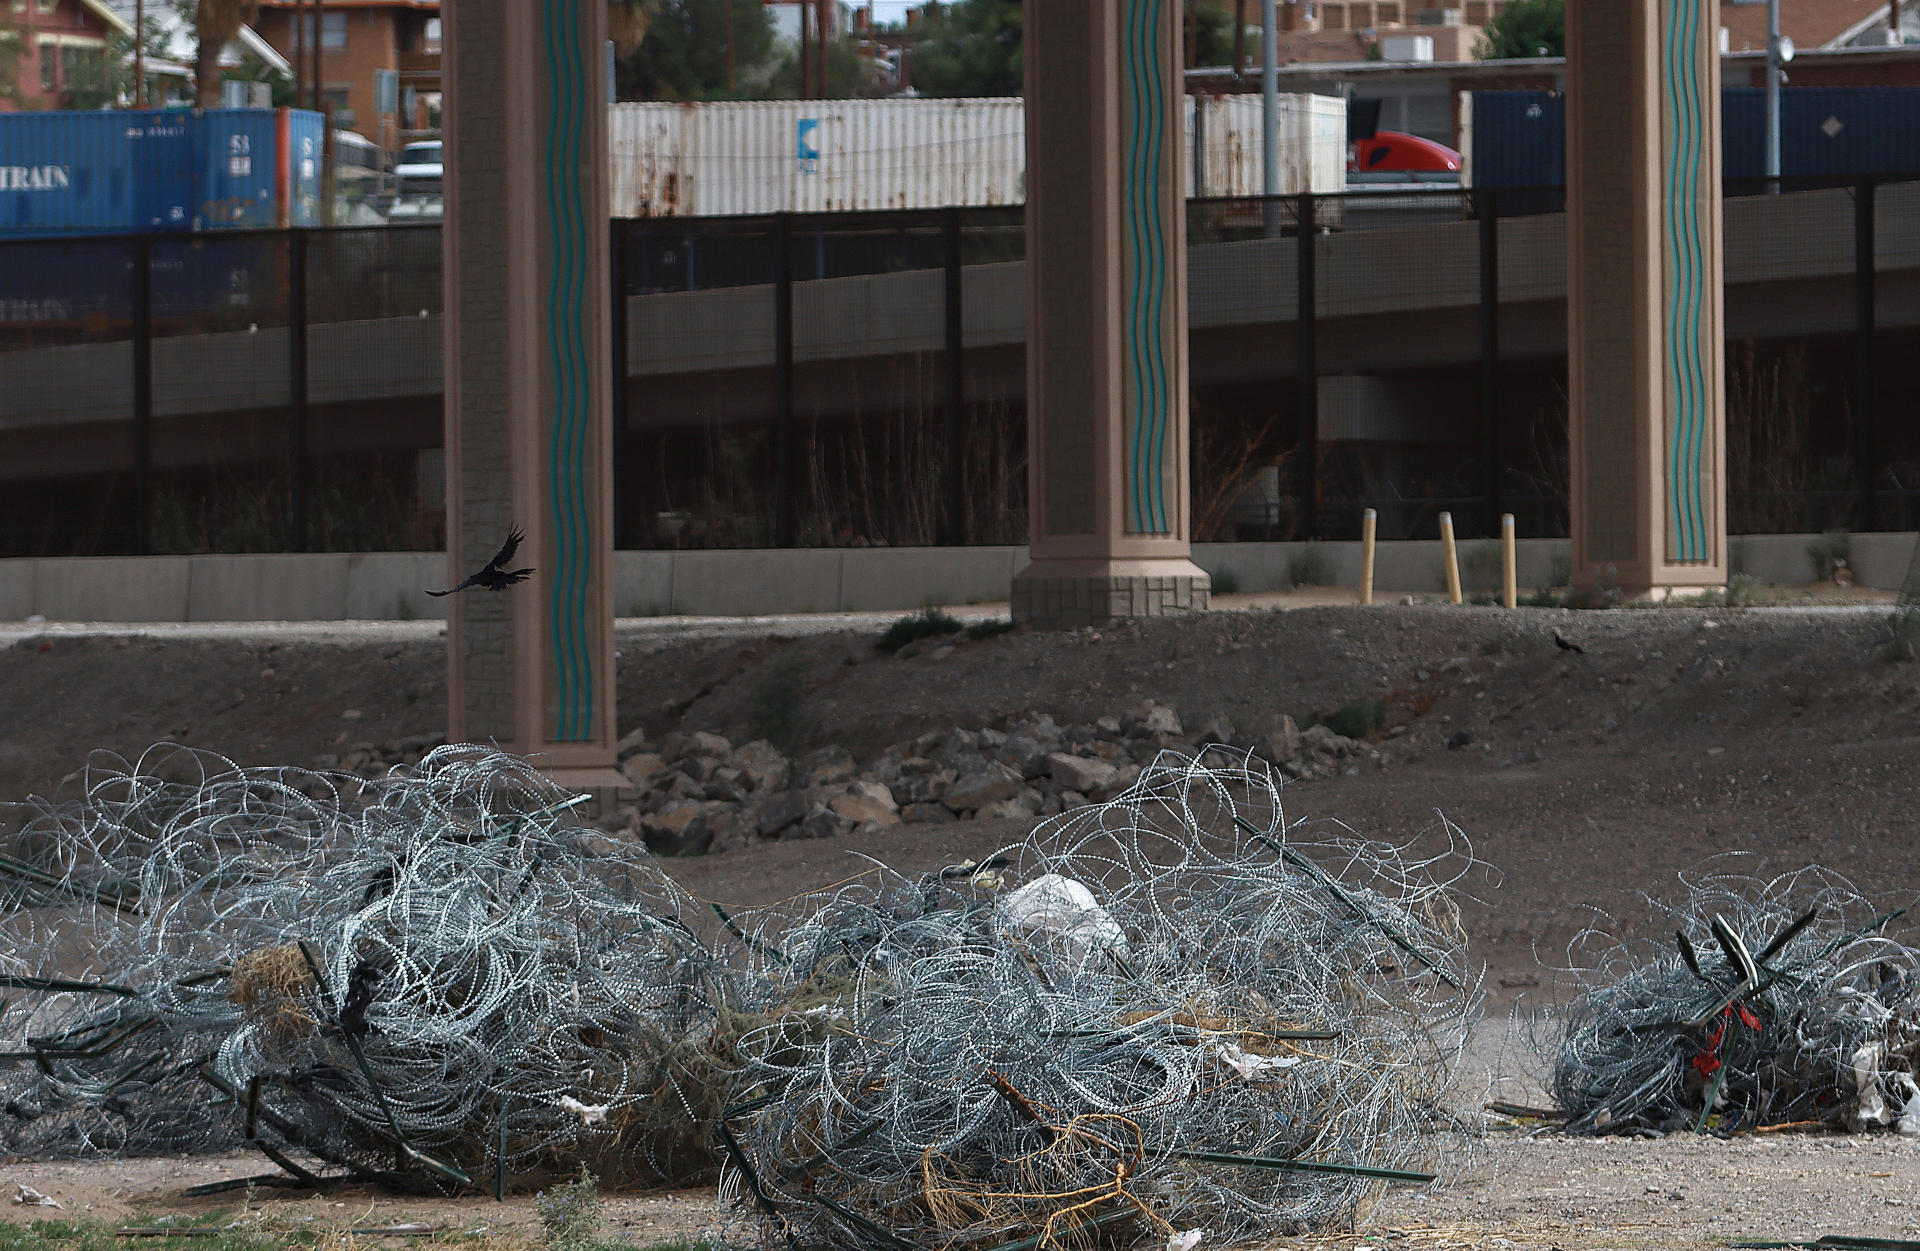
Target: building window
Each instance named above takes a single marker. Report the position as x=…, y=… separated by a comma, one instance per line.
x=337, y=98
x=49, y=66
x=48, y=6
x=333, y=31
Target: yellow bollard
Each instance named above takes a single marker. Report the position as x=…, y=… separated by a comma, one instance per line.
x=1366, y=557
x=1453, y=558
x=1510, y=593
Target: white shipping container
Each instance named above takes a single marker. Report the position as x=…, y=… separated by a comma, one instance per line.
x=1313, y=144
x=813, y=156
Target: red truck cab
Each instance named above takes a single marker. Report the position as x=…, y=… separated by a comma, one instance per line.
x=1407, y=158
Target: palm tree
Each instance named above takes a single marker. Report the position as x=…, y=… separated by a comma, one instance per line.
x=216, y=22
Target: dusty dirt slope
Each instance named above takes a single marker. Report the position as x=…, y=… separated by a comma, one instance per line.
x=1586, y=776
x=1677, y=734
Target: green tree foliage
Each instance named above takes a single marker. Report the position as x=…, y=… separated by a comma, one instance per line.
x=848, y=76
x=684, y=53
x=971, y=48
x=12, y=44
x=99, y=78
x=1526, y=28
x=1212, y=27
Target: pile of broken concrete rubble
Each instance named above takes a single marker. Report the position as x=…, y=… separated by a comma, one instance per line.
x=698, y=792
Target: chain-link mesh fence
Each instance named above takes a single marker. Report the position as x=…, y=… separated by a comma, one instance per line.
x=68, y=437
x=860, y=379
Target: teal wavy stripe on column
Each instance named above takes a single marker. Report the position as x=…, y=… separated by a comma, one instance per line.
x=1693, y=546
x=572, y=389
x=1147, y=291
x=1130, y=202
x=580, y=424
x=1161, y=411
x=1685, y=256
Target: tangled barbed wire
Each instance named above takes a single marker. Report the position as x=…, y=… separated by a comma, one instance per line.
x=1775, y=1001
x=436, y=977
x=1170, y=1012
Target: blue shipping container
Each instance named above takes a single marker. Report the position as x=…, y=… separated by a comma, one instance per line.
x=151, y=170
x=245, y=159
x=96, y=171
x=1825, y=132
x=90, y=282
x=1520, y=137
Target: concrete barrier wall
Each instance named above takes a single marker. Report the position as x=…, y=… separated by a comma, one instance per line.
x=363, y=586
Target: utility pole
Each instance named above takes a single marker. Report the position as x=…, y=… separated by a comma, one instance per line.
x=729, y=12
x=1773, y=96
x=319, y=38
x=139, y=54
x=1270, y=99
x=1239, y=37
x=820, y=51
x=806, y=16
x=298, y=46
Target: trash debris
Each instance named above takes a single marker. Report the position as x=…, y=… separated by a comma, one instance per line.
x=1175, y=1019
x=1776, y=1002
x=23, y=1193
x=1062, y=906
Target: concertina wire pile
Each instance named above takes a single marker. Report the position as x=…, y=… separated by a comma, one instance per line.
x=1167, y=1013
x=1770, y=1002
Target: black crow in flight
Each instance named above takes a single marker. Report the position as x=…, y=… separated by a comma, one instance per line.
x=496, y=576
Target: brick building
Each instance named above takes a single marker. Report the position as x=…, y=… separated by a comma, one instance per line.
x=358, y=38
x=59, y=45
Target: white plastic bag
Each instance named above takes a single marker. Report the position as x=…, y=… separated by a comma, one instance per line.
x=1872, y=1109
x=1909, y=1122
x=1053, y=904
x=1250, y=1066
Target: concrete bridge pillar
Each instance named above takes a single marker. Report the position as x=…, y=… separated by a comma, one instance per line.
x=529, y=437
x=1645, y=370
x=1108, y=494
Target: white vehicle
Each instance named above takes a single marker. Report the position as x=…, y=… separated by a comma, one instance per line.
x=361, y=168
x=417, y=195
x=419, y=168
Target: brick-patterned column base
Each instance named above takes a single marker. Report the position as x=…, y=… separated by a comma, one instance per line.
x=1059, y=599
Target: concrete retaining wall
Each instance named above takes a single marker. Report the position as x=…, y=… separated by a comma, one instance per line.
x=377, y=586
